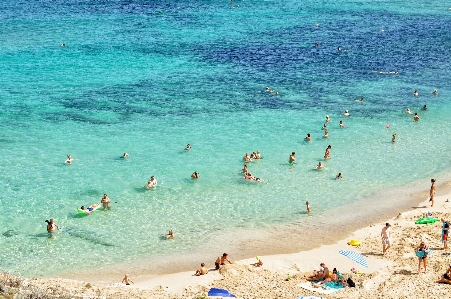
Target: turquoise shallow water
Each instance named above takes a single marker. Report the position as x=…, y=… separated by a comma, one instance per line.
x=149, y=77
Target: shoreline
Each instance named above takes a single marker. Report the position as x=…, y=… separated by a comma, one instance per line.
x=382, y=270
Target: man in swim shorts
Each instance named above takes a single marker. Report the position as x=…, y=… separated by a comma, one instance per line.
x=322, y=274
x=202, y=270
x=106, y=202
x=220, y=261
x=445, y=229
x=51, y=226
x=385, y=234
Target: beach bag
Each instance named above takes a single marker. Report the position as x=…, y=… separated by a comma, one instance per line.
x=350, y=282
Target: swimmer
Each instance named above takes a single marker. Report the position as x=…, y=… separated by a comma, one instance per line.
x=253, y=155
x=393, y=138
x=317, y=44
x=415, y=93
x=308, y=138
x=51, y=226
x=277, y=93
x=152, y=182
x=320, y=166
x=292, y=158
x=346, y=113
x=326, y=135
x=360, y=100
x=246, y=158
x=245, y=171
x=327, y=119
x=195, y=175
x=69, y=159
x=127, y=280
x=105, y=202
x=339, y=48
x=338, y=176
x=170, y=235
x=408, y=111
x=342, y=125
x=258, y=155
x=89, y=209
x=425, y=107
x=267, y=89
x=416, y=117
x=324, y=127
x=308, y=206
x=188, y=147
x=435, y=91
x=62, y=45
x=125, y=155
x=250, y=177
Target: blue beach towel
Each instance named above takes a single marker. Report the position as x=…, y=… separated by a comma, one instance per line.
x=219, y=293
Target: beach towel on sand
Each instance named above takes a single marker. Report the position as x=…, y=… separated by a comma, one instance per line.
x=219, y=292
x=308, y=286
x=310, y=297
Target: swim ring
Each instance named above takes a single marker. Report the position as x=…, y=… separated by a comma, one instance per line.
x=427, y=220
x=355, y=242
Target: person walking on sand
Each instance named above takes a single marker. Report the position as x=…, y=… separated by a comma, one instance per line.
x=201, y=271
x=385, y=234
x=445, y=230
x=127, y=280
x=422, y=253
x=432, y=192
x=220, y=261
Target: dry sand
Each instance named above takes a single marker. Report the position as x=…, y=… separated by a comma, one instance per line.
x=391, y=276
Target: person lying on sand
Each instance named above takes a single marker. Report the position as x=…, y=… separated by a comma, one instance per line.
x=259, y=262
x=220, y=261
x=446, y=277
x=202, y=270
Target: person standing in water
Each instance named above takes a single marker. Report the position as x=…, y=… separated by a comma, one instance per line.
x=152, y=182
x=393, y=138
x=51, y=226
x=105, y=202
x=308, y=206
x=292, y=158
x=432, y=192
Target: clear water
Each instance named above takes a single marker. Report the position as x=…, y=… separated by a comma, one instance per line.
x=148, y=77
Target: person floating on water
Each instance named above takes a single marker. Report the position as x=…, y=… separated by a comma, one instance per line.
x=90, y=209
x=346, y=113
x=195, y=175
x=125, y=155
x=152, y=182
x=408, y=111
x=360, y=100
x=69, y=159
x=435, y=91
x=105, y=202
x=415, y=93
x=292, y=158
x=51, y=226
x=308, y=138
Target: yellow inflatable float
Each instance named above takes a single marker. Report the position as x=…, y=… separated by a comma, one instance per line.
x=355, y=242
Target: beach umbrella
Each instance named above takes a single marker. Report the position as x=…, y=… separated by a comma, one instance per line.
x=355, y=257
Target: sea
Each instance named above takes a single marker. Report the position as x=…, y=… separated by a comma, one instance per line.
x=95, y=79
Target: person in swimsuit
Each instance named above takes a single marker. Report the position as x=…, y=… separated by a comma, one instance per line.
x=125, y=155
x=308, y=206
x=105, y=202
x=423, y=248
x=416, y=117
x=246, y=158
x=432, y=192
x=201, y=271
x=445, y=229
x=127, y=280
x=338, y=176
x=408, y=111
x=446, y=277
x=324, y=127
x=385, y=234
x=393, y=138
x=51, y=226
x=342, y=125
x=323, y=273
x=425, y=107
x=308, y=138
x=292, y=158
x=435, y=91
x=170, y=235
x=320, y=166
x=346, y=113
x=327, y=119
x=258, y=155
x=415, y=93
x=326, y=135
x=152, y=182
x=69, y=159
x=188, y=147
x=195, y=175
x=89, y=209
x=220, y=261
x=245, y=171
x=259, y=262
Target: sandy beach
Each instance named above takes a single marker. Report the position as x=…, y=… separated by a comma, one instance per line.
x=394, y=275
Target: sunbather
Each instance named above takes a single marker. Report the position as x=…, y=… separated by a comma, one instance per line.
x=446, y=277
x=319, y=275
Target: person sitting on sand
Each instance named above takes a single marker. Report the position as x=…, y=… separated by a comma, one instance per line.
x=170, y=235
x=105, y=201
x=220, y=261
x=125, y=155
x=322, y=274
x=201, y=271
x=320, y=166
x=338, y=176
x=416, y=117
x=446, y=277
x=246, y=158
x=422, y=253
x=327, y=119
x=292, y=158
x=195, y=175
x=152, y=182
x=308, y=138
x=259, y=262
x=51, y=226
x=188, y=147
x=127, y=280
